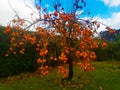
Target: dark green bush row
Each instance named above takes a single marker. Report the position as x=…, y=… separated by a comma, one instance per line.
x=4, y=42
x=15, y=64
x=12, y=66
x=111, y=52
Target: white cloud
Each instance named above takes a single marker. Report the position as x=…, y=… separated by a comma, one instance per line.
x=7, y=14
x=112, y=3
x=113, y=22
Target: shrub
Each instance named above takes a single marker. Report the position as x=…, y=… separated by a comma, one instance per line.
x=15, y=64
x=4, y=42
x=111, y=52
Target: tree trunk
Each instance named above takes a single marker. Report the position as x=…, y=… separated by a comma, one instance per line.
x=70, y=75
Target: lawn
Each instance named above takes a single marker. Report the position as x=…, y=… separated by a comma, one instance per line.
x=106, y=76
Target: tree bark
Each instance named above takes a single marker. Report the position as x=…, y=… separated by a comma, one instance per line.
x=70, y=74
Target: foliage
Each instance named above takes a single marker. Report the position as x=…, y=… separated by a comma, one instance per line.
x=4, y=42
x=116, y=48
x=111, y=52
x=14, y=64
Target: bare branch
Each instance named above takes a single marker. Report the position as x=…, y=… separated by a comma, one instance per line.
x=16, y=14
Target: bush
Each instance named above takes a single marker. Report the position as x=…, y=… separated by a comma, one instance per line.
x=115, y=46
x=4, y=42
x=15, y=64
x=111, y=52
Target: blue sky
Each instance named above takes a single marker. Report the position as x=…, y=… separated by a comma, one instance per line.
x=96, y=7
x=105, y=11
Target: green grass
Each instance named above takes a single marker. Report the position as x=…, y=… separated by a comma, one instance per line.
x=106, y=76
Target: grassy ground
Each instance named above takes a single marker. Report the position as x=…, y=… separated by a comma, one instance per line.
x=106, y=76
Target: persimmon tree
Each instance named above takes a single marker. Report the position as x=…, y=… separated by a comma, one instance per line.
x=73, y=35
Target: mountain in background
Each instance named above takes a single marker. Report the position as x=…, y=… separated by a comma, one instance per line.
x=106, y=36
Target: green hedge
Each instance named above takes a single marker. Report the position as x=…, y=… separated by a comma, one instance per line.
x=15, y=64
x=4, y=42
x=111, y=52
